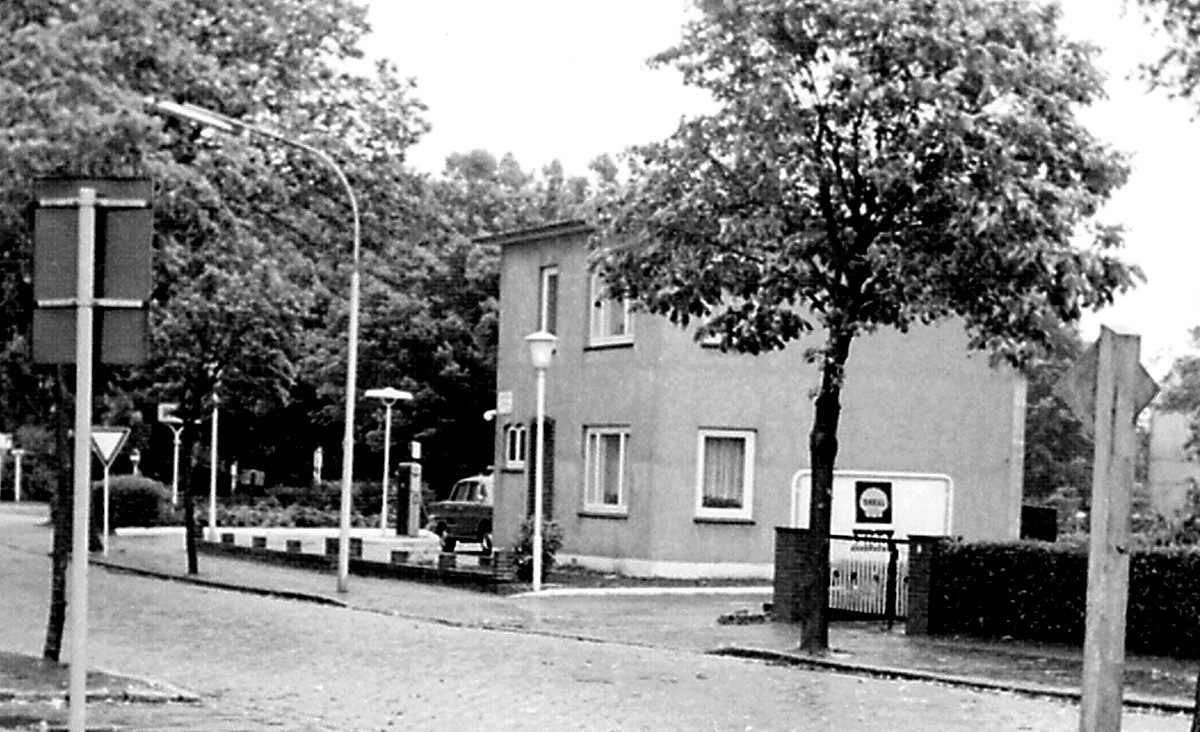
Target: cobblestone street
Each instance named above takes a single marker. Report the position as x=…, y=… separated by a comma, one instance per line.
x=261, y=663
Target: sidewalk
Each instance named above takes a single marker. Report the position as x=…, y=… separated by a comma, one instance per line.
x=679, y=618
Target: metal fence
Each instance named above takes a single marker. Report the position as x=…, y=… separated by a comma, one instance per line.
x=869, y=575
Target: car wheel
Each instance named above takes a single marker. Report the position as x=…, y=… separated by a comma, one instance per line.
x=485, y=543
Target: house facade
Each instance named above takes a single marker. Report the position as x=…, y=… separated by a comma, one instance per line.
x=1172, y=471
x=667, y=457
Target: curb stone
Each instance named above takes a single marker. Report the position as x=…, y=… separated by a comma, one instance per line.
x=218, y=585
x=1131, y=701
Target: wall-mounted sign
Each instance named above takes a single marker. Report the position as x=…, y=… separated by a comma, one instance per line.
x=504, y=402
x=872, y=502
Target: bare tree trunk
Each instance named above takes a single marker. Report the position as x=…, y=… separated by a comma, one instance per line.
x=61, y=506
x=823, y=448
x=189, y=505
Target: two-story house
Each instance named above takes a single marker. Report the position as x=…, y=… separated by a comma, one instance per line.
x=668, y=457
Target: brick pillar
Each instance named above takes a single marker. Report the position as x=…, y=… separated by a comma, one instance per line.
x=923, y=552
x=793, y=571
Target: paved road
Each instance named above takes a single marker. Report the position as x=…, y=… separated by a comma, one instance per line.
x=264, y=663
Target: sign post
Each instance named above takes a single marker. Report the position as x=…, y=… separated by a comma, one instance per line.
x=107, y=443
x=76, y=223
x=166, y=415
x=1107, y=388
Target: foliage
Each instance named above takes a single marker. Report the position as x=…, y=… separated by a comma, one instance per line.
x=552, y=539
x=1178, y=68
x=134, y=500
x=269, y=514
x=1058, y=451
x=1036, y=591
x=872, y=164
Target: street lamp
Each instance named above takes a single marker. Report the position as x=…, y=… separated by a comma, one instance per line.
x=541, y=352
x=231, y=125
x=389, y=396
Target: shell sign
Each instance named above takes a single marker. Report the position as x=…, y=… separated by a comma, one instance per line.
x=872, y=502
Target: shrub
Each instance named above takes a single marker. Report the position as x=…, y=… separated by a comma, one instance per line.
x=1038, y=591
x=134, y=500
x=268, y=513
x=552, y=539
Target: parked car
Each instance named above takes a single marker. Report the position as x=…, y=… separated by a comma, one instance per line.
x=466, y=515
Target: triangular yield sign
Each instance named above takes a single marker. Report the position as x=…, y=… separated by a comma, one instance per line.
x=107, y=442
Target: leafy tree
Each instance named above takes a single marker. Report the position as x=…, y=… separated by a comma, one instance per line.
x=871, y=164
x=251, y=240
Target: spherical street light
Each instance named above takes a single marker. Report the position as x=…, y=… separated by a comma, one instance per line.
x=542, y=346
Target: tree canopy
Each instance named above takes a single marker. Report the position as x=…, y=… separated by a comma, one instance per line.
x=872, y=163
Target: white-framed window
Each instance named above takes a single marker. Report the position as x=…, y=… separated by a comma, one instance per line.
x=548, y=300
x=516, y=445
x=725, y=474
x=610, y=320
x=606, y=469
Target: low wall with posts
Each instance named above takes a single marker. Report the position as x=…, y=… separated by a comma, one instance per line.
x=493, y=572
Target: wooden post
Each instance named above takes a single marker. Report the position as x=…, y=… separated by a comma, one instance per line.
x=1107, y=388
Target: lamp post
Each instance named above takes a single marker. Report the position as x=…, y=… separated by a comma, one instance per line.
x=541, y=353
x=212, y=471
x=389, y=396
x=231, y=125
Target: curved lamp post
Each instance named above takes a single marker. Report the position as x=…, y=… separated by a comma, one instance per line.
x=388, y=396
x=230, y=125
x=541, y=352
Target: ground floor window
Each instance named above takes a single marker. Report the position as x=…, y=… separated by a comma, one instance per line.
x=606, y=469
x=725, y=474
x=515, y=441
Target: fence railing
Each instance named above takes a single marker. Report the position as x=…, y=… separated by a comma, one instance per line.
x=869, y=574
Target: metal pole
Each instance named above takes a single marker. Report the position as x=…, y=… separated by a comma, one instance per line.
x=104, y=549
x=212, y=472
x=17, y=455
x=387, y=462
x=176, y=431
x=343, y=584
x=539, y=479
x=83, y=460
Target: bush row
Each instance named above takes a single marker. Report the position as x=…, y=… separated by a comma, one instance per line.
x=1038, y=591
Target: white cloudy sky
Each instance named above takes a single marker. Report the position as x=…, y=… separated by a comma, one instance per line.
x=566, y=79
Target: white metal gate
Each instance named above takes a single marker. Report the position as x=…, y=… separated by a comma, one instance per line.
x=858, y=578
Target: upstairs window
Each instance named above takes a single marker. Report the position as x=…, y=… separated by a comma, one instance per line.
x=610, y=321
x=548, y=300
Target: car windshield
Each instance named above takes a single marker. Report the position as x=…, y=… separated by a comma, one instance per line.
x=469, y=490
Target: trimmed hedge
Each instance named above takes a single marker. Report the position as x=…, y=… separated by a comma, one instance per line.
x=133, y=500
x=1037, y=591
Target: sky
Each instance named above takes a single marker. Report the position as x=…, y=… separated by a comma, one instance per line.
x=568, y=80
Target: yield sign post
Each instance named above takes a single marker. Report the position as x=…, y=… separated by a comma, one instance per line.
x=1107, y=388
x=107, y=443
